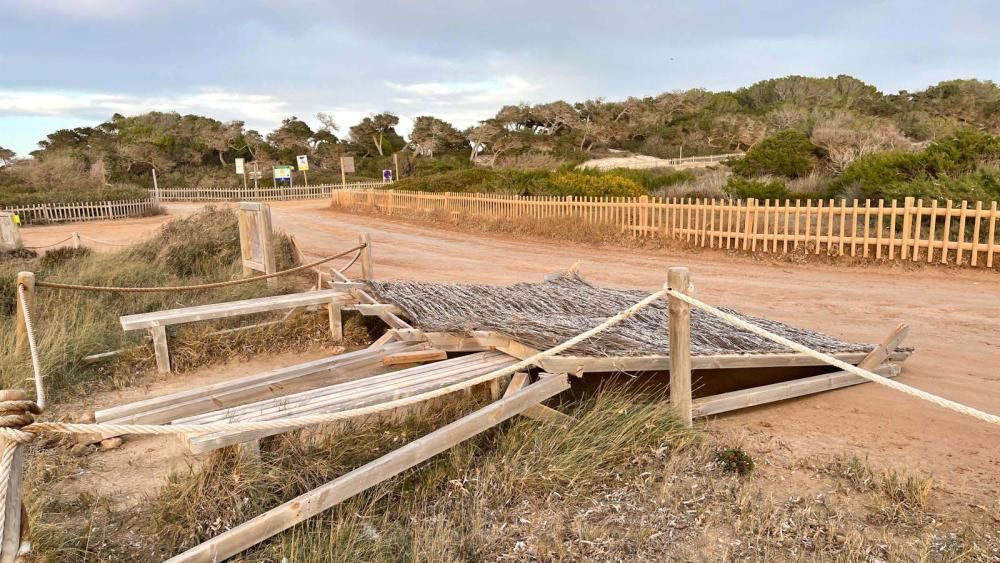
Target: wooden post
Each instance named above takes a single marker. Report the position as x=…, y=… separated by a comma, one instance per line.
x=366, y=256
x=76, y=239
x=336, y=324
x=27, y=279
x=159, y=336
x=14, y=529
x=267, y=243
x=679, y=279
x=907, y=227
x=10, y=236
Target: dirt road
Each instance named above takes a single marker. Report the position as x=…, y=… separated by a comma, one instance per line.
x=954, y=316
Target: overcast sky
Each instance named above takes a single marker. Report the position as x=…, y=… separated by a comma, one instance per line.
x=67, y=63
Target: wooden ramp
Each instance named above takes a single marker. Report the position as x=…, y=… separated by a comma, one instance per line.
x=343, y=397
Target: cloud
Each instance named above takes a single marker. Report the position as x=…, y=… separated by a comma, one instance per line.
x=89, y=9
x=218, y=103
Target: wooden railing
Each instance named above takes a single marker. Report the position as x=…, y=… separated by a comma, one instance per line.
x=914, y=230
x=262, y=193
x=83, y=211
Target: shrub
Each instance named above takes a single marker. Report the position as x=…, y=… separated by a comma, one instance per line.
x=650, y=179
x=743, y=188
x=787, y=153
x=946, y=168
x=735, y=460
x=588, y=185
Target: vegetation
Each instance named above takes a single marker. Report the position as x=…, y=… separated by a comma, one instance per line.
x=71, y=324
x=792, y=128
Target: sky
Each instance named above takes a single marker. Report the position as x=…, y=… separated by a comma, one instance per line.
x=69, y=63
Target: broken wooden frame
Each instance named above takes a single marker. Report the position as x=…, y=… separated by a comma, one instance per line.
x=256, y=238
x=157, y=321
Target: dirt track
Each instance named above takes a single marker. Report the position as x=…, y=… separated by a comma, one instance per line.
x=954, y=316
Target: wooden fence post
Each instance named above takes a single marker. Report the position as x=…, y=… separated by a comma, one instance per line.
x=907, y=227
x=679, y=280
x=366, y=256
x=76, y=239
x=15, y=525
x=27, y=279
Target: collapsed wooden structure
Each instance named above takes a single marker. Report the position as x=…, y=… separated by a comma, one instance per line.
x=439, y=335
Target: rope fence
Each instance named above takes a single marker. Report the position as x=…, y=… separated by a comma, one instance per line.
x=196, y=287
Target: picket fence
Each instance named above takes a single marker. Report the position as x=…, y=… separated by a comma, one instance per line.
x=939, y=232
x=262, y=193
x=83, y=211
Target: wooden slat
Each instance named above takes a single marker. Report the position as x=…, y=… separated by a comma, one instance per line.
x=305, y=506
x=414, y=357
x=231, y=308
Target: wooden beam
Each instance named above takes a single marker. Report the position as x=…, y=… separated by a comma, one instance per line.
x=11, y=533
x=336, y=322
x=347, y=286
x=374, y=309
x=537, y=412
x=742, y=399
x=320, y=499
x=388, y=318
x=414, y=357
x=885, y=349
x=27, y=279
x=234, y=308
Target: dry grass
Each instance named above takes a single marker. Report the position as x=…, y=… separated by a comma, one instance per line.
x=625, y=483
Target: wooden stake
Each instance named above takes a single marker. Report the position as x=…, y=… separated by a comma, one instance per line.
x=366, y=256
x=312, y=503
x=27, y=279
x=14, y=527
x=679, y=279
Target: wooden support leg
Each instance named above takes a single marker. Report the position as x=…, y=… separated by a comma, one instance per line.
x=249, y=451
x=312, y=503
x=536, y=412
x=885, y=349
x=15, y=521
x=159, y=335
x=336, y=323
x=679, y=279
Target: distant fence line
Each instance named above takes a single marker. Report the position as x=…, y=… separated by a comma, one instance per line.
x=946, y=233
x=83, y=211
x=262, y=193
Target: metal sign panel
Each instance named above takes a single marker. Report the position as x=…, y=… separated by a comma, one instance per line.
x=303, y=162
x=239, y=166
x=387, y=175
x=347, y=164
x=282, y=172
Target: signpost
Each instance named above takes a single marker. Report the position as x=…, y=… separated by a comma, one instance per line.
x=282, y=173
x=303, y=163
x=346, y=165
x=241, y=170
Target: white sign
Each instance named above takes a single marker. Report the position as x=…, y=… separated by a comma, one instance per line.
x=387, y=175
x=239, y=166
x=303, y=162
x=282, y=172
x=347, y=164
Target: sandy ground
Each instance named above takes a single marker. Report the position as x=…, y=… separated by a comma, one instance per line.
x=954, y=316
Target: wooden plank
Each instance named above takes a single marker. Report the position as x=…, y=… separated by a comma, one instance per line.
x=233, y=308
x=414, y=357
x=367, y=266
x=388, y=318
x=580, y=365
x=336, y=322
x=886, y=348
x=277, y=382
x=374, y=309
x=538, y=412
x=679, y=279
x=159, y=336
x=309, y=504
x=742, y=399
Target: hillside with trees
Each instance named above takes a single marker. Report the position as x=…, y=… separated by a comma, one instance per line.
x=804, y=137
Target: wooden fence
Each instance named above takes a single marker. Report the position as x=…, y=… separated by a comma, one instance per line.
x=941, y=232
x=83, y=211
x=262, y=193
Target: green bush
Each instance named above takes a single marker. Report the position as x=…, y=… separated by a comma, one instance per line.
x=651, y=180
x=743, y=188
x=787, y=153
x=945, y=169
x=14, y=195
x=735, y=460
x=588, y=185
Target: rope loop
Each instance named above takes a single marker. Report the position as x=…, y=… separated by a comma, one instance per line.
x=16, y=412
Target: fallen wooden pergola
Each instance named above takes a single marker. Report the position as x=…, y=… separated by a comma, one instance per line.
x=415, y=358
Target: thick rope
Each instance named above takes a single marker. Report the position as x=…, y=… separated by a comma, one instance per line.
x=17, y=414
x=861, y=372
x=49, y=245
x=294, y=422
x=198, y=287
x=36, y=363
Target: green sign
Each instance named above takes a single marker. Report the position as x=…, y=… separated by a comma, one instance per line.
x=282, y=172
